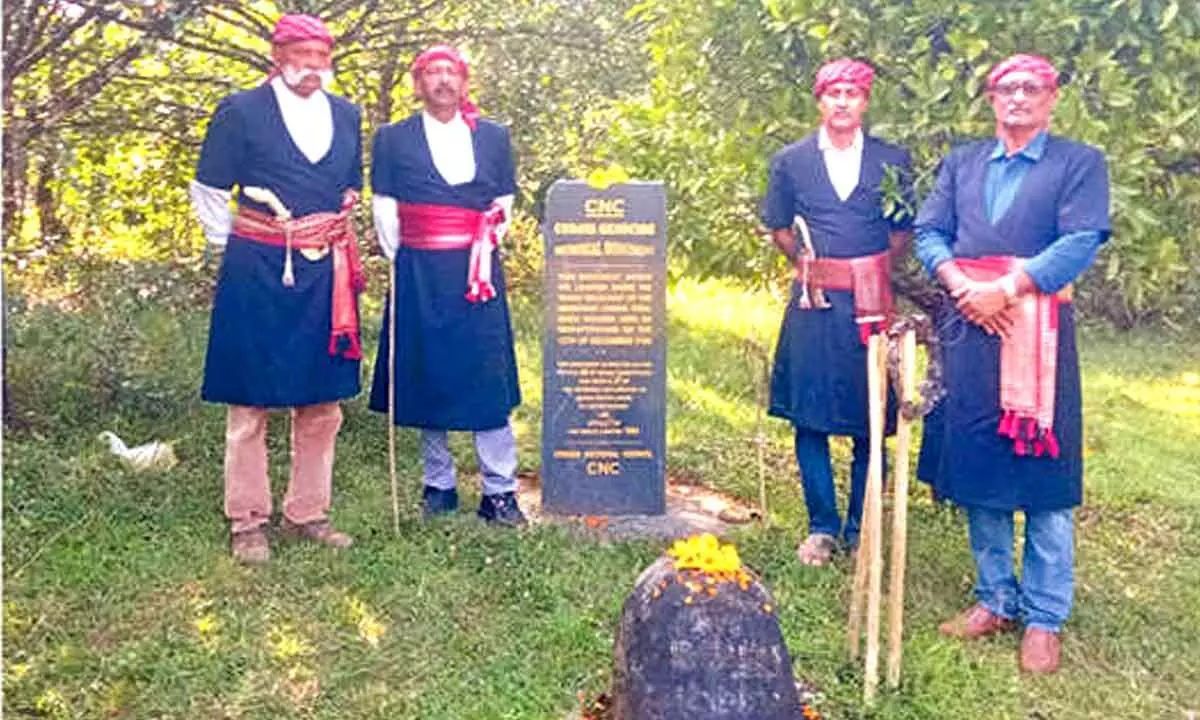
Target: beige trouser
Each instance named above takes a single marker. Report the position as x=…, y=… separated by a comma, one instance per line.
x=247, y=486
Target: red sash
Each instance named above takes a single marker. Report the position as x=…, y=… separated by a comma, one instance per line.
x=319, y=231
x=1028, y=360
x=867, y=277
x=449, y=227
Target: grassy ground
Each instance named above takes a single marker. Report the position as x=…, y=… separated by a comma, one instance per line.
x=120, y=600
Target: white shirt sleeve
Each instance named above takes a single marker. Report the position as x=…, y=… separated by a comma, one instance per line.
x=506, y=202
x=211, y=206
x=387, y=224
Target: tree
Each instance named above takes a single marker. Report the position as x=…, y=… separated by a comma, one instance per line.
x=732, y=82
x=58, y=57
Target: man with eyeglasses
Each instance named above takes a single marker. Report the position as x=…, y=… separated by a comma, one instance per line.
x=1010, y=224
x=828, y=186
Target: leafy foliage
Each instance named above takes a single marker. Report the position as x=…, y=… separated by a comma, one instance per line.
x=732, y=82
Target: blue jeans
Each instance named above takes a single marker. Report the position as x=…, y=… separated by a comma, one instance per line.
x=820, y=496
x=1045, y=593
x=495, y=449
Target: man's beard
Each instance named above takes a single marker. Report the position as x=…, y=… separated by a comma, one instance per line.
x=293, y=76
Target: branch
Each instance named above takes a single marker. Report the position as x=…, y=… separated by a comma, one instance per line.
x=335, y=7
x=71, y=98
x=415, y=42
x=247, y=25
x=238, y=7
x=351, y=34
x=230, y=52
x=16, y=32
x=549, y=35
x=404, y=20
x=177, y=79
x=127, y=126
x=56, y=41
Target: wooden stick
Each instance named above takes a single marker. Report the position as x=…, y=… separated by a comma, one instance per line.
x=862, y=560
x=858, y=589
x=908, y=381
x=760, y=438
x=877, y=390
x=391, y=420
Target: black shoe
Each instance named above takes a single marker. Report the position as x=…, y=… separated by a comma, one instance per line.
x=438, y=502
x=502, y=509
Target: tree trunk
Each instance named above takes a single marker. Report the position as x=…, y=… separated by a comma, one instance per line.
x=387, y=78
x=53, y=231
x=15, y=163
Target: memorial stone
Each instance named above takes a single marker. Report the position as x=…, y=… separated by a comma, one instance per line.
x=687, y=649
x=604, y=357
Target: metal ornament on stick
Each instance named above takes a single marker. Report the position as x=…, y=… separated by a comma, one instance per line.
x=284, y=216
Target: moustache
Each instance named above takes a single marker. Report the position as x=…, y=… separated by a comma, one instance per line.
x=294, y=76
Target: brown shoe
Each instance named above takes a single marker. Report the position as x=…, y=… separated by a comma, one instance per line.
x=250, y=547
x=319, y=531
x=975, y=623
x=816, y=550
x=1040, y=651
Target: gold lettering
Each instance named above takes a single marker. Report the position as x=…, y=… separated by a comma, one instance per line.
x=604, y=208
x=574, y=228
x=603, y=468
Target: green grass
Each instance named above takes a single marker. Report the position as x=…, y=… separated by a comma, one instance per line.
x=121, y=601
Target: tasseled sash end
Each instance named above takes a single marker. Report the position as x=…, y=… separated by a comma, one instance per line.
x=480, y=288
x=351, y=349
x=1028, y=437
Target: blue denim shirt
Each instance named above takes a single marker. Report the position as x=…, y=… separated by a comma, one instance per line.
x=1053, y=268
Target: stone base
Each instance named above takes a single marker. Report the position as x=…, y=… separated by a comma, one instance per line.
x=691, y=510
x=689, y=647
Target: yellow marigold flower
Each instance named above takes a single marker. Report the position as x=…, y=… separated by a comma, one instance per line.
x=706, y=555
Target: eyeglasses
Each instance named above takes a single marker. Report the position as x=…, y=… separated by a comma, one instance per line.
x=1031, y=89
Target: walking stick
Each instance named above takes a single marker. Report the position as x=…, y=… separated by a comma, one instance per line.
x=858, y=589
x=908, y=372
x=760, y=439
x=868, y=565
x=391, y=361
x=877, y=388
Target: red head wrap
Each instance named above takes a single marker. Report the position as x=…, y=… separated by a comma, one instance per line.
x=298, y=28
x=1035, y=64
x=469, y=112
x=844, y=71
